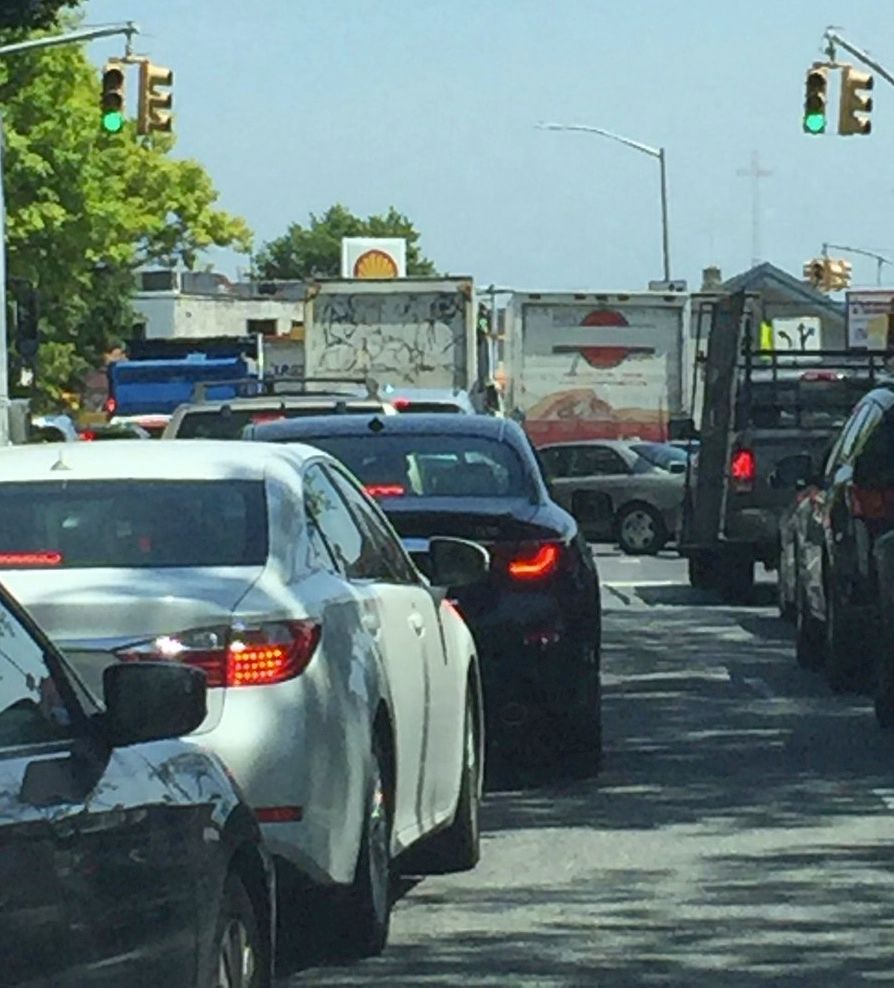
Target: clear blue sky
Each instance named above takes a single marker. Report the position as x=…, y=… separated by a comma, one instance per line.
x=431, y=106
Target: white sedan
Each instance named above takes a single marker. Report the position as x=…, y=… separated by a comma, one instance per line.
x=344, y=689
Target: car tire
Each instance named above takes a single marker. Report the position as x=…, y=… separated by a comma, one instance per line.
x=841, y=670
x=735, y=576
x=583, y=755
x=810, y=639
x=366, y=910
x=239, y=955
x=458, y=846
x=702, y=569
x=640, y=529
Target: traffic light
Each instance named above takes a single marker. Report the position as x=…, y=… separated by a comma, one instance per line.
x=112, y=98
x=815, y=272
x=815, y=100
x=838, y=275
x=856, y=104
x=154, y=112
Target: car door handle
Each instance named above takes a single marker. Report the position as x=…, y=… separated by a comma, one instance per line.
x=416, y=623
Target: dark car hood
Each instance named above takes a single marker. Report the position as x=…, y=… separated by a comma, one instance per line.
x=491, y=519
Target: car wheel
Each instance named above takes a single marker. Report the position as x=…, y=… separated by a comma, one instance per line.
x=841, y=669
x=367, y=909
x=583, y=753
x=809, y=636
x=640, y=530
x=238, y=952
x=702, y=568
x=458, y=847
x=735, y=576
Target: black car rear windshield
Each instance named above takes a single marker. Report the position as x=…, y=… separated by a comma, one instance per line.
x=129, y=523
x=430, y=466
x=229, y=423
x=818, y=400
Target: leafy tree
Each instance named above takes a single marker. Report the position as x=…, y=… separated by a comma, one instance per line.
x=315, y=250
x=85, y=208
x=30, y=14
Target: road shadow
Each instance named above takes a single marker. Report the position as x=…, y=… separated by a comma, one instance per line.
x=742, y=770
x=681, y=595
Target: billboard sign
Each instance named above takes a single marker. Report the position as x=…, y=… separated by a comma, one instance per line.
x=870, y=319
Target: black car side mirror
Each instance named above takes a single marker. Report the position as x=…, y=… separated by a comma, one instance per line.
x=456, y=562
x=152, y=701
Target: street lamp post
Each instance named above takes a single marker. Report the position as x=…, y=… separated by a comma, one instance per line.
x=645, y=149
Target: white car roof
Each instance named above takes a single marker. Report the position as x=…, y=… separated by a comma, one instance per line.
x=123, y=459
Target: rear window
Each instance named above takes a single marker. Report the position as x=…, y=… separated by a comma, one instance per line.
x=229, y=423
x=125, y=523
x=816, y=401
x=660, y=455
x=429, y=466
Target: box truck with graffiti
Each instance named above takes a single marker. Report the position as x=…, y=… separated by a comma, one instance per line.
x=407, y=332
x=596, y=365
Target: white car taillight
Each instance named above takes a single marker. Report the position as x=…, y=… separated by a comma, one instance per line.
x=239, y=656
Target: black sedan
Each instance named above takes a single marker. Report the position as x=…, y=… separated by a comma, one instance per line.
x=127, y=857
x=536, y=618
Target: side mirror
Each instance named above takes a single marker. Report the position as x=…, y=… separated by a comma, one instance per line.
x=456, y=562
x=590, y=506
x=152, y=701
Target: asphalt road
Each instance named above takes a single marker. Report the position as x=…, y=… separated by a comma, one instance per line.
x=741, y=832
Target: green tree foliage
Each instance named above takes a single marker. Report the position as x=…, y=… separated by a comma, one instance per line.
x=85, y=208
x=19, y=15
x=314, y=251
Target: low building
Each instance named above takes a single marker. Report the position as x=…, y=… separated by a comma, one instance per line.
x=171, y=304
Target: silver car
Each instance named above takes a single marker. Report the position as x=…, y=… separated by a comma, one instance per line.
x=618, y=489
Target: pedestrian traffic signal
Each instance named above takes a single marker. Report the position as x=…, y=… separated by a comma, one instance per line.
x=856, y=104
x=112, y=98
x=815, y=100
x=154, y=112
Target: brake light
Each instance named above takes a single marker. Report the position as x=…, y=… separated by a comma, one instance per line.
x=401, y=404
x=267, y=417
x=259, y=656
x=535, y=562
x=385, y=490
x=27, y=559
x=88, y=436
x=872, y=503
x=821, y=376
x=279, y=814
x=743, y=469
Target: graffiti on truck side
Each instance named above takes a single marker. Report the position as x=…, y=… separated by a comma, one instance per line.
x=413, y=339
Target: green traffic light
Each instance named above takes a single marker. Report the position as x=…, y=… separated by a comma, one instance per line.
x=112, y=121
x=815, y=123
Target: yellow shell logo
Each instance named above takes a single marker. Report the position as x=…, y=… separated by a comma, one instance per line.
x=375, y=264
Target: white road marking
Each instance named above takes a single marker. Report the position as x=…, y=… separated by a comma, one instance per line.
x=886, y=796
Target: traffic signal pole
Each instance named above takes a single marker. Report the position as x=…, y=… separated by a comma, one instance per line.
x=832, y=38
x=72, y=37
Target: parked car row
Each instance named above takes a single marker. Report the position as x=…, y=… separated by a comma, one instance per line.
x=288, y=673
x=837, y=553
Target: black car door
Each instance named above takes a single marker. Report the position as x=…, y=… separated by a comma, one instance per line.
x=97, y=887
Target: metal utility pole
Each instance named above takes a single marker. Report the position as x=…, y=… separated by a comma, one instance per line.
x=755, y=173
x=72, y=37
x=658, y=153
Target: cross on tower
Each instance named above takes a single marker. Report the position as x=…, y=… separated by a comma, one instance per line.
x=755, y=173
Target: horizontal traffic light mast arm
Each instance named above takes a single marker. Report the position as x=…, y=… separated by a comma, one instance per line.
x=87, y=34
x=832, y=39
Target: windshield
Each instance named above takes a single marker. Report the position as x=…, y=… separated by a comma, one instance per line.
x=73, y=524
x=660, y=455
x=808, y=403
x=430, y=466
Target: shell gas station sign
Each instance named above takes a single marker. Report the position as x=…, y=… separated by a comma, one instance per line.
x=373, y=257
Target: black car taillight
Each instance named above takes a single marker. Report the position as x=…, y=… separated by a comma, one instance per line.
x=743, y=470
x=527, y=562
